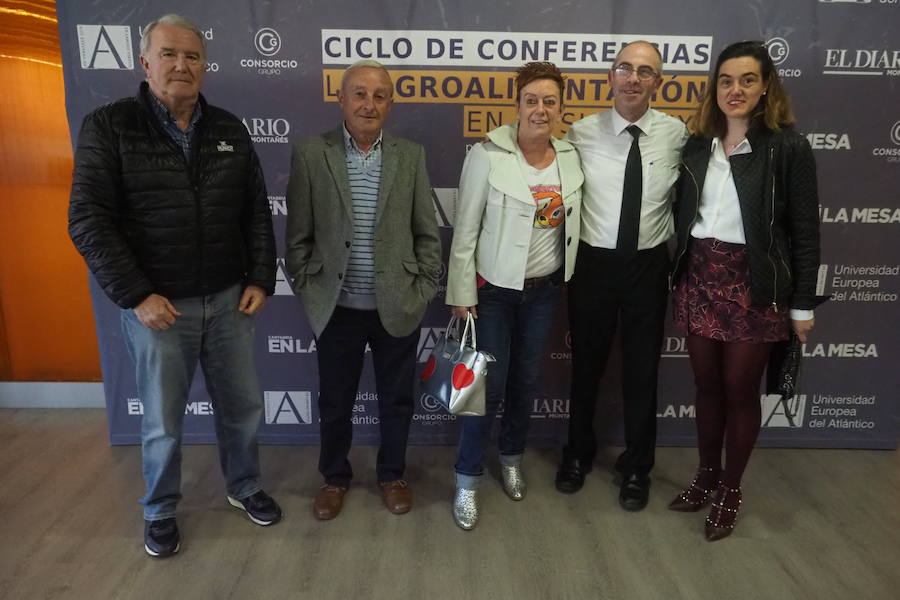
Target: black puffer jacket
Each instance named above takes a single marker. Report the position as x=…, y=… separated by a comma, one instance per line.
x=776, y=186
x=147, y=223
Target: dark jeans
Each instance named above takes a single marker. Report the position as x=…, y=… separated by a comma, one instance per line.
x=341, y=351
x=513, y=326
x=604, y=289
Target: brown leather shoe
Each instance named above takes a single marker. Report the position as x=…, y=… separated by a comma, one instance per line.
x=329, y=501
x=397, y=496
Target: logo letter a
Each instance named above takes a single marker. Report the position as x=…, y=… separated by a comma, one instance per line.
x=290, y=409
x=110, y=49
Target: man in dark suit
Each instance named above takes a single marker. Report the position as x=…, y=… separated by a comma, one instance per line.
x=363, y=252
x=630, y=156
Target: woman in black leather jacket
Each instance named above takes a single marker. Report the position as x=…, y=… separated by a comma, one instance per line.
x=746, y=265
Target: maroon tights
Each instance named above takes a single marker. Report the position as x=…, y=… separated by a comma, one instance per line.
x=727, y=375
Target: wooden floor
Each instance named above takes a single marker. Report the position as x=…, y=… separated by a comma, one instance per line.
x=816, y=524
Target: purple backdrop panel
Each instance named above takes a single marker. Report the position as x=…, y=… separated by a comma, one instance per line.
x=277, y=65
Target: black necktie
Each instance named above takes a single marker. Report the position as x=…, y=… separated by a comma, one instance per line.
x=630, y=217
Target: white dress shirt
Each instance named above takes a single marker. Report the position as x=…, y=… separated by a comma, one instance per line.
x=603, y=143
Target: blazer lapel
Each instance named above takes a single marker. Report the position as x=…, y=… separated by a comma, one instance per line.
x=506, y=176
x=748, y=171
x=390, y=162
x=336, y=157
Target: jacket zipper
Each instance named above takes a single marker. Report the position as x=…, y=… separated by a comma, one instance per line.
x=194, y=175
x=690, y=226
x=772, y=234
x=192, y=171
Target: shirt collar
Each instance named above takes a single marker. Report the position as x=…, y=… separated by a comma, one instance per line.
x=620, y=123
x=718, y=148
x=350, y=143
x=163, y=113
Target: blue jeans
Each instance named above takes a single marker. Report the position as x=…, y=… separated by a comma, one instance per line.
x=213, y=331
x=513, y=326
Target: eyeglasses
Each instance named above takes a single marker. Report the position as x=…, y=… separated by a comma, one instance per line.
x=643, y=73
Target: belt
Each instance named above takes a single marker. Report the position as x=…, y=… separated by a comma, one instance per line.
x=535, y=282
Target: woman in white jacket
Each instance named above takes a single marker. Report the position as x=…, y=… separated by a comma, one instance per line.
x=514, y=244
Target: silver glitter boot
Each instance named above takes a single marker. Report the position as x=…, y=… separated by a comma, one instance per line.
x=465, y=508
x=513, y=481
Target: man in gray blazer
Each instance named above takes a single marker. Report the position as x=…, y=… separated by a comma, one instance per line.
x=364, y=254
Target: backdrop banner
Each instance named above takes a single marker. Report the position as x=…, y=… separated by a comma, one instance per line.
x=277, y=66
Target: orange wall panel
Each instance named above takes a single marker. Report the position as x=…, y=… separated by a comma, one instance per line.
x=47, y=328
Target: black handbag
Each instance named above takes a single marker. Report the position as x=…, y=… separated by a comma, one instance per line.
x=783, y=371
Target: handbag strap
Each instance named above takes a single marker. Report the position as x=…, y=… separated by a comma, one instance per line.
x=470, y=327
x=453, y=327
x=468, y=332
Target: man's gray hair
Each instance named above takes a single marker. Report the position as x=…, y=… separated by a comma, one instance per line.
x=367, y=63
x=175, y=21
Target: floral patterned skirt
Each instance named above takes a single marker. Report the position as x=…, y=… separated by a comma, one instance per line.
x=712, y=298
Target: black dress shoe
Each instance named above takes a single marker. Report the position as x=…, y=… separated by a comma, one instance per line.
x=634, y=492
x=570, y=476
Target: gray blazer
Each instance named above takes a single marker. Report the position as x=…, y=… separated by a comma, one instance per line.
x=320, y=231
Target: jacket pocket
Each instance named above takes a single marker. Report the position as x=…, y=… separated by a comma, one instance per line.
x=411, y=267
x=312, y=267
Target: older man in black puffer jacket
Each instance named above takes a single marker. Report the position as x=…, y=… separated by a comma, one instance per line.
x=169, y=210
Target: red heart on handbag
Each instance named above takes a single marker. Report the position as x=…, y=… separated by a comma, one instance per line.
x=428, y=371
x=462, y=376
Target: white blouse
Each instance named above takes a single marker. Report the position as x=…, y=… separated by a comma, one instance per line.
x=720, y=209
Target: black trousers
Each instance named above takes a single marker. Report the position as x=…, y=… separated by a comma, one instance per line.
x=341, y=351
x=605, y=289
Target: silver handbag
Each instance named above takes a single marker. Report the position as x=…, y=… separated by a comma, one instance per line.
x=456, y=371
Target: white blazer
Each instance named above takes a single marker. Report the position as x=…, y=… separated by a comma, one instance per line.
x=495, y=216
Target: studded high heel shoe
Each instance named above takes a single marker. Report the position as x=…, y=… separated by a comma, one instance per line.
x=723, y=514
x=513, y=481
x=697, y=495
x=465, y=508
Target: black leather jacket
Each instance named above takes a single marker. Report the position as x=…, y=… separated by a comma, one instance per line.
x=146, y=222
x=776, y=186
